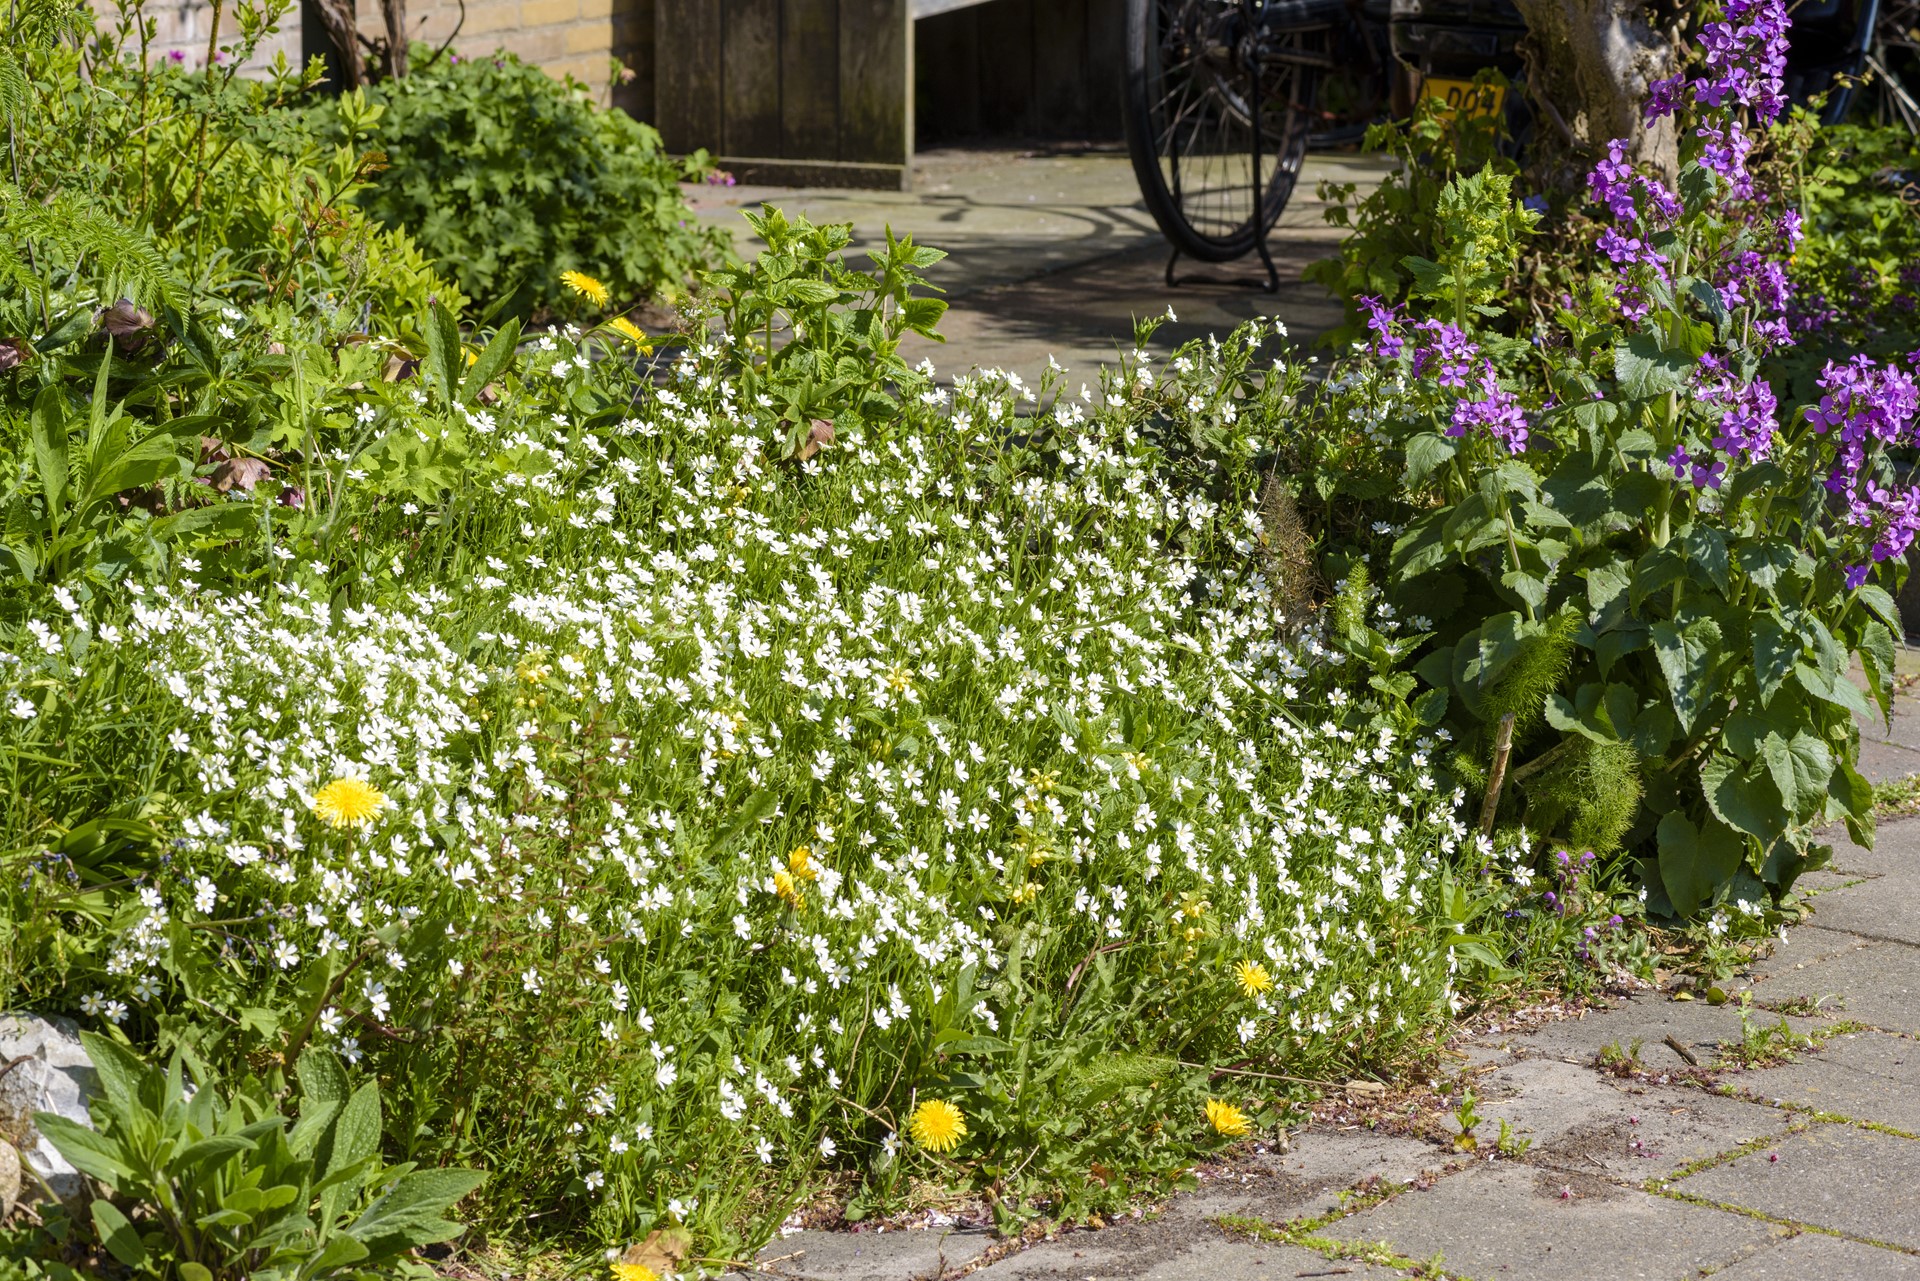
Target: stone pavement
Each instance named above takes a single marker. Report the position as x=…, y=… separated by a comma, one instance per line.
x=1053, y=254
x=1786, y=1148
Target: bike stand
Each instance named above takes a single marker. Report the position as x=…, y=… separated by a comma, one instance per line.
x=1270, y=285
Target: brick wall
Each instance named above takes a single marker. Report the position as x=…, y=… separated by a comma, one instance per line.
x=566, y=37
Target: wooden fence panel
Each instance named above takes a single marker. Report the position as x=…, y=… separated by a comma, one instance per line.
x=750, y=78
x=810, y=79
x=876, y=117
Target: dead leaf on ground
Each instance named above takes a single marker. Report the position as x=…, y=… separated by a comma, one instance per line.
x=240, y=473
x=819, y=437
x=664, y=1250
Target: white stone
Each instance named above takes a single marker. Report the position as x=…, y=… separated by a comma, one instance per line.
x=55, y=1075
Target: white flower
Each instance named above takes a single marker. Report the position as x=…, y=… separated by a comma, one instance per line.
x=23, y=709
x=827, y=1147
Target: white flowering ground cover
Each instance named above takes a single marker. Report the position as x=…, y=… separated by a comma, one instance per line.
x=670, y=828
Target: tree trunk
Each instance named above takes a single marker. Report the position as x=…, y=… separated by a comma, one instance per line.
x=342, y=25
x=396, y=14
x=1589, y=64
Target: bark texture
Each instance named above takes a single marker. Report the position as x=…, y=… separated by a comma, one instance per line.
x=1590, y=62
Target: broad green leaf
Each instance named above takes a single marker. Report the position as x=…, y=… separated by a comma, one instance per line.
x=1427, y=453
x=49, y=430
x=1775, y=651
x=1696, y=861
x=1687, y=657
x=1838, y=690
x=1801, y=767
x=86, y=1151
x=356, y=1134
x=1706, y=549
x=1645, y=370
x=211, y=1151
x=1743, y=797
x=1764, y=562
x=492, y=359
x=120, y=1072
x=117, y=1234
x=1875, y=598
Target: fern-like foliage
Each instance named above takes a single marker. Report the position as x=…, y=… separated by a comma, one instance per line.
x=1535, y=672
x=42, y=24
x=79, y=236
x=1590, y=795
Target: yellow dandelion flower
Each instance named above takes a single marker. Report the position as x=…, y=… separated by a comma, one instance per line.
x=801, y=864
x=899, y=680
x=633, y=1272
x=789, y=892
x=1227, y=1119
x=586, y=286
x=348, y=802
x=1252, y=978
x=937, y=1126
x=630, y=331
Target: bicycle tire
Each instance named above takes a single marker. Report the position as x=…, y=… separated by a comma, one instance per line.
x=1194, y=53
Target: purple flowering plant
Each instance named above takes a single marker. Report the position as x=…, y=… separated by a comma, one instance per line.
x=1623, y=523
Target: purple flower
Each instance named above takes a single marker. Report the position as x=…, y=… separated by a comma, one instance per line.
x=1663, y=97
x=1611, y=182
x=1450, y=348
x=1382, y=319
x=1495, y=410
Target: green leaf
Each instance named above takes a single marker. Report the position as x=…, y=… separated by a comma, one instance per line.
x=1801, y=767
x=1830, y=688
x=86, y=1151
x=1687, y=656
x=1775, y=651
x=120, y=1072
x=1695, y=862
x=1742, y=797
x=1427, y=453
x=195, y=1272
x=356, y=1134
x=1764, y=562
x=1644, y=369
x=117, y=1234
x=1875, y=598
x=49, y=431
x=1706, y=549
x=494, y=358
x=211, y=1151
x=1853, y=793
x=444, y=354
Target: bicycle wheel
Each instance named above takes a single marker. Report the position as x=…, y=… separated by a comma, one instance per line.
x=1192, y=115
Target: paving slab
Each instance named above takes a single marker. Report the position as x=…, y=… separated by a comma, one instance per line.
x=872, y=1256
x=1877, y=907
x=1647, y=1020
x=1867, y=1076
x=1876, y=983
x=1813, y=1255
x=1052, y=254
x=1896, y=846
x=1215, y=1257
x=1834, y=1176
x=1654, y=1131
x=1520, y=1224
x=1310, y=1180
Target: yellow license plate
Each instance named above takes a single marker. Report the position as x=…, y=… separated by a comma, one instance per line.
x=1465, y=96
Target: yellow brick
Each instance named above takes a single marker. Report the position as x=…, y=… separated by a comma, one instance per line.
x=596, y=9
x=547, y=13
x=537, y=47
x=591, y=37
x=487, y=18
